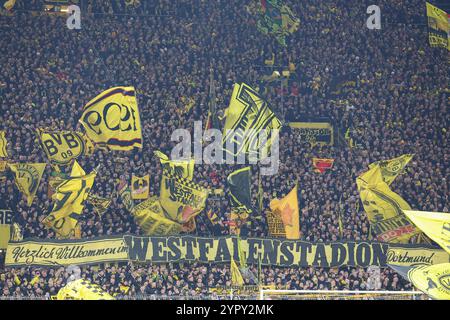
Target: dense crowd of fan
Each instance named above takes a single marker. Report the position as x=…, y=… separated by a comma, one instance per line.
x=165, y=49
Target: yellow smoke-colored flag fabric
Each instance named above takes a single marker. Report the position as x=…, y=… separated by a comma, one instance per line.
x=82, y=289
x=248, y=115
x=287, y=209
x=384, y=208
x=176, y=193
x=435, y=225
x=236, y=276
x=182, y=168
x=9, y=4
x=390, y=169
x=28, y=177
x=112, y=119
x=3, y=144
x=149, y=216
x=433, y=280
x=63, y=146
x=70, y=196
x=140, y=187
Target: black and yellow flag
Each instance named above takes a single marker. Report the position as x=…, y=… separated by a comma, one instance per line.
x=3, y=165
x=3, y=145
x=140, y=187
x=213, y=217
x=124, y=192
x=63, y=146
x=435, y=225
x=177, y=193
x=287, y=209
x=236, y=276
x=438, y=27
x=6, y=216
x=100, y=204
x=82, y=289
x=28, y=177
x=112, y=119
x=390, y=169
x=240, y=192
x=250, y=125
x=433, y=280
x=149, y=215
x=181, y=168
x=70, y=196
x=384, y=208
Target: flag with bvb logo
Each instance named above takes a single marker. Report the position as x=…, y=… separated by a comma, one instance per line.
x=140, y=187
x=28, y=177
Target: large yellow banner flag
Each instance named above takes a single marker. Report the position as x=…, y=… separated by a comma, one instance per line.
x=438, y=26
x=390, y=169
x=182, y=168
x=384, y=208
x=112, y=119
x=150, y=217
x=433, y=280
x=287, y=209
x=70, y=196
x=28, y=177
x=436, y=225
x=82, y=289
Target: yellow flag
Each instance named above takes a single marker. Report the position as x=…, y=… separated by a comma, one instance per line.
x=70, y=196
x=112, y=119
x=236, y=276
x=390, y=169
x=182, y=168
x=140, y=187
x=438, y=26
x=9, y=4
x=433, y=280
x=384, y=208
x=247, y=116
x=435, y=225
x=3, y=144
x=63, y=146
x=28, y=177
x=6, y=216
x=150, y=217
x=287, y=209
x=82, y=289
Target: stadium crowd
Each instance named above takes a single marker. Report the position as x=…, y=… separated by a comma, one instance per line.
x=165, y=49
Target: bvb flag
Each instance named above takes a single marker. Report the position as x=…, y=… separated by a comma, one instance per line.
x=287, y=209
x=438, y=26
x=390, y=169
x=182, y=168
x=82, y=289
x=28, y=177
x=140, y=187
x=435, y=225
x=433, y=280
x=149, y=215
x=100, y=204
x=250, y=126
x=112, y=119
x=70, y=196
x=236, y=276
x=321, y=165
x=63, y=146
x=384, y=208
x=124, y=192
x=3, y=144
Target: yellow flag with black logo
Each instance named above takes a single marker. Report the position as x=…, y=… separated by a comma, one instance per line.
x=390, y=169
x=82, y=289
x=177, y=193
x=438, y=26
x=287, y=209
x=247, y=117
x=435, y=225
x=433, y=280
x=384, y=208
x=149, y=216
x=236, y=276
x=3, y=144
x=63, y=146
x=100, y=204
x=112, y=119
x=140, y=187
x=28, y=177
x=182, y=168
x=70, y=196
